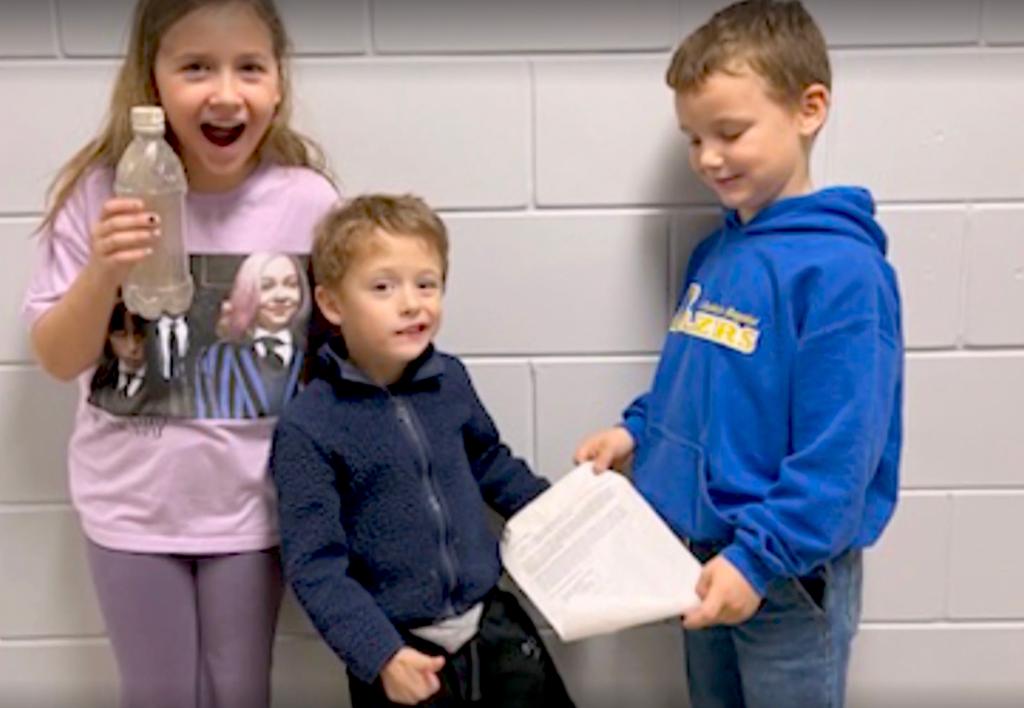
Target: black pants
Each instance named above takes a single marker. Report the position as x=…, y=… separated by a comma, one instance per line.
x=504, y=666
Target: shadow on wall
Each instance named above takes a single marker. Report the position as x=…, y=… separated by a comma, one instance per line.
x=695, y=211
x=672, y=182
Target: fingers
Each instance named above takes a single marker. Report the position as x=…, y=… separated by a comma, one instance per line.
x=705, y=615
x=585, y=451
x=595, y=452
x=140, y=221
x=696, y=620
x=411, y=676
x=431, y=685
x=121, y=205
x=711, y=601
x=136, y=222
x=418, y=689
x=603, y=459
x=426, y=666
x=125, y=246
x=120, y=214
x=125, y=232
x=703, y=583
x=600, y=449
x=426, y=662
x=726, y=596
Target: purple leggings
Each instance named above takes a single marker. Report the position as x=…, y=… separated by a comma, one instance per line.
x=190, y=631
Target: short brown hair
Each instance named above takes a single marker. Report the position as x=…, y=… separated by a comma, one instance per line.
x=346, y=231
x=779, y=41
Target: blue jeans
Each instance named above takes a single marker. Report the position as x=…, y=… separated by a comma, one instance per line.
x=794, y=651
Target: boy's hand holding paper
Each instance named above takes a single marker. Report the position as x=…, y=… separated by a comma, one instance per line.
x=726, y=596
x=595, y=558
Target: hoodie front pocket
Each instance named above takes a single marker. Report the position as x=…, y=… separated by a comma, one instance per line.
x=671, y=473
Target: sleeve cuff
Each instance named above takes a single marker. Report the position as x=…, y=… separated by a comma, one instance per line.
x=757, y=573
x=634, y=425
x=367, y=668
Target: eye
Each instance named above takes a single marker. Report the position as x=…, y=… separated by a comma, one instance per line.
x=732, y=135
x=253, y=67
x=381, y=287
x=194, y=68
x=429, y=284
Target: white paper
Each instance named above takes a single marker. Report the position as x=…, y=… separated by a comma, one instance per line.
x=595, y=558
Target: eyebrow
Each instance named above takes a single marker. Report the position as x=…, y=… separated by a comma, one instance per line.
x=194, y=54
x=730, y=121
x=260, y=56
x=719, y=124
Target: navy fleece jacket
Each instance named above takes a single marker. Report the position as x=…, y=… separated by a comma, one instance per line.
x=381, y=496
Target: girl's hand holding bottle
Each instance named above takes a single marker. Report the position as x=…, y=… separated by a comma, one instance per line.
x=123, y=236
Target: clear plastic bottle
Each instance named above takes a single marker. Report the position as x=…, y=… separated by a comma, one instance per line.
x=150, y=170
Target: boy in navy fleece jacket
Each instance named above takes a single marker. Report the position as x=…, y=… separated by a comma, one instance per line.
x=383, y=467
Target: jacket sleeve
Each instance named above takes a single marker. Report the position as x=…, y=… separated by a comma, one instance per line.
x=634, y=418
x=845, y=383
x=505, y=481
x=315, y=554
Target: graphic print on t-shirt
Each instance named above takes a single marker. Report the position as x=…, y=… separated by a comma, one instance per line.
x=236, y=353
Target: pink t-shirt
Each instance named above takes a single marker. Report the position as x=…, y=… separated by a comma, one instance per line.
x=173, y=426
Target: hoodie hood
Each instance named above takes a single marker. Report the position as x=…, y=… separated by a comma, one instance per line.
x=834, y=211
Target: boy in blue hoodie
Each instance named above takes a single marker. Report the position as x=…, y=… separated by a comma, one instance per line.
x=770, y=437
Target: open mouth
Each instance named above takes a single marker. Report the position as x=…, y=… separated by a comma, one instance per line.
x=414, y=330
x=222, y=136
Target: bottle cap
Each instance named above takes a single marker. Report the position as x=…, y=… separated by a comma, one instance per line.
x=148, y=119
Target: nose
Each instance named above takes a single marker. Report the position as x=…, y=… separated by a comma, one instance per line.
x=408, y=301
x=226, y=90
x=137, y=346
x=709, y=158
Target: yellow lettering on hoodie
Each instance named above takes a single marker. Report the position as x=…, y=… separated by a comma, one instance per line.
x=696, y=321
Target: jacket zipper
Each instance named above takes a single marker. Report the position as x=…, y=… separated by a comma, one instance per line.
x=408, y=420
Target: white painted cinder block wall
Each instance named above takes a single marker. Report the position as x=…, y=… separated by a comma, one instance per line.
x=544, y=133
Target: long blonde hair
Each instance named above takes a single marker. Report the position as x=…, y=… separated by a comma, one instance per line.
x=135, y=85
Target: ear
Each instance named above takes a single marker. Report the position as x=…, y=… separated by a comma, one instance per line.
x=279, y=89
x=813, y=109
x=329, y=305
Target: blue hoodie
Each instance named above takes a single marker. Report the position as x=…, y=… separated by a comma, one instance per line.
x=774, y=421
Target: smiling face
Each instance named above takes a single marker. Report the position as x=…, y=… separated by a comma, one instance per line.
x=748, y=147
x=387, y=304
x=280, y=294
x=219, y=84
